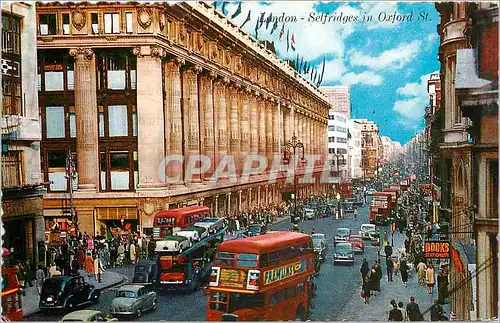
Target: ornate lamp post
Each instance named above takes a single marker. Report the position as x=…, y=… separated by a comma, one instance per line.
x=291, y=148
x=71, y=176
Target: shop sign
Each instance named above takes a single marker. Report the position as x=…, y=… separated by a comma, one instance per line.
x=53, y=67
x=284, y=272
x=436, y=249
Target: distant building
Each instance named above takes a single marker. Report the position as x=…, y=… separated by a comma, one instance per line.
x=391, y=149
x=340, y=99
x=355, y=151
x=372, y=148
x=337, y=145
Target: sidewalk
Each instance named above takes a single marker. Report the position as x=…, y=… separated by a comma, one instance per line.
x=30, y=301
x=377, y=310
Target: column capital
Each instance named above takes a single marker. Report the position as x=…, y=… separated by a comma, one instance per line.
x=247, y=89
x=236, y=86
x=212, y=74
x=157, y=51
x=223, y=80
x=196, y=69
x=152, y=50
x=228, y=194
x=81, y=53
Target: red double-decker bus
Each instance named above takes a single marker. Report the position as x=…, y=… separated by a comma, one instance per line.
x=380, y=208
x=167, y=222
x=12, y=308
x=266, y=277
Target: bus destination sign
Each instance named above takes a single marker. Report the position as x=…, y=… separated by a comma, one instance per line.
x=232, y=278
x=284, y=272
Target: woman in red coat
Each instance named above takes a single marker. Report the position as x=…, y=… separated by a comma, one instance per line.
x=81, y=257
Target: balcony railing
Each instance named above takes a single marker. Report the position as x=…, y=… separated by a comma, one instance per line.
x=454, y=29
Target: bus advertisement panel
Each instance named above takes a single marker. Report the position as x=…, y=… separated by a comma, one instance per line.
x=380, y=208
x=165, y=223
x=266, y=277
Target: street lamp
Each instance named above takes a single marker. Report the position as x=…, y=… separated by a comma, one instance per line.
x=71, y=176
x=292, y=148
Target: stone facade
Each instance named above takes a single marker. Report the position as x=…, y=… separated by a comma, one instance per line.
x=186, y=87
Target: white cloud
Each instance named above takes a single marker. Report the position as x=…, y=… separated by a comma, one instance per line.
x=394, y=58
x=413, y=106
x=333, y=70
x=367, y=78
x=379, y=10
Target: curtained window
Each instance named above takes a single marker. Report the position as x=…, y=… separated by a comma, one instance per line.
x=116, y=73
x=54, y=120
x=118, y=121
x=54, y=81
x=111, y=23
x=119, y=163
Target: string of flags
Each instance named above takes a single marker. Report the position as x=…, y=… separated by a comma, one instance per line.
x=308, y=69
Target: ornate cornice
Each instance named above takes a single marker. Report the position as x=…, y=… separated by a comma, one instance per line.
x=196, y=69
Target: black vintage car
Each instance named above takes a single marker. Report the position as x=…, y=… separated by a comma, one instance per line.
x=256, y=229
x=145, y=272
x=64, y=292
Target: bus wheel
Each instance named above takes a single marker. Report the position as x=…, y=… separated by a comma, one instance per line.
x=300, y=314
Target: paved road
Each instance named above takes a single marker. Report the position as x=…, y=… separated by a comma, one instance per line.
x=336, y=284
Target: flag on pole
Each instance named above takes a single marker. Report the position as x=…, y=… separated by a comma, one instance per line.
x=275, y=26
x=237, y=12
x=293, y=43
x=224, y=8
x=300, y=66
x=268, y=20
x=322, y=72
x=287, y=40
x=247, y=19
x=282, y=31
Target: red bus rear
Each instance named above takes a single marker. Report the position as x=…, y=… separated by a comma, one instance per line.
x=167, y=222
x=380, y=208
x=12, y=308
x=266, y=277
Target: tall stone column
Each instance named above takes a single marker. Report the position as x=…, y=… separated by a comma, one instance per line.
x=228, y=204
x=281, y=122
x=151, y=125
x=269, y=133
x=245, y=125
x=239, y=201
x=207, y=121
x=276, y=128
x=254, y=124
x=234, y=143
x=262, y=126
x=173, y=118
x=87, y=149
x=299, y=128
x=221, y=126
x=293, y=122
x=286, y=125
x=191, y=118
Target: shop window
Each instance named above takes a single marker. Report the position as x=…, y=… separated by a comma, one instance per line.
x=57, y=170
x=331, y=128
x=331, y=139
x=117, y=120
x=119, y=170
x=11, y=169
x=55, y=123
x=48, y=24
x=116, y=73
x=128, y=18
x=65, y=26
x=94, y=19
x=11, y=96
x=111, y=23
x=102, y=162
x=11, y=39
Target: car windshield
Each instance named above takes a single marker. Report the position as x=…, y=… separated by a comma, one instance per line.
x=343, y=248
x=317, y=243
x=125, y=293
x=367, y=228
x=208, y=220
x=342, y=232
x=51, y=286
x=356, y=239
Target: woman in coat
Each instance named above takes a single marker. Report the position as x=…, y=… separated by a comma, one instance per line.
x=366, y=289
x=403, y=269
x=429, y=278
x=374, y=282
x=89, y=264
x=98, y=268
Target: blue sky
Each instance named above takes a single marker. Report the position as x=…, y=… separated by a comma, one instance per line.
x=385, y=63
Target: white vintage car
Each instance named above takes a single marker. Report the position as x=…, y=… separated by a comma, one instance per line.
x=172, y=244
x=193, y=233
x=212, y=225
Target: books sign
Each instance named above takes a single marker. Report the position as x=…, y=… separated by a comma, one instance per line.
x=436, y=249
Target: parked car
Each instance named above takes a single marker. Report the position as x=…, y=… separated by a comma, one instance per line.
x=256, y=229
x=145, y=272
x=88, y=316
x=133, y=300
x=309, y=214
x=368, y=231
x=343, y=253
x=193, y=233
x=172, y=244
x=63, y=292
x=342, y=235
x=319, y=236
x=357, y=243
x=212, y=225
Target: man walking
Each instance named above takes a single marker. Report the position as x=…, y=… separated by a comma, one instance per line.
x=364, y=270
x=40, y=278
x=413, y=310
x=390, y=268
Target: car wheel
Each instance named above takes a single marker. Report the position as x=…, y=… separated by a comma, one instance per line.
x=138, y=313
x=95, y=296
x=70, y=305
x=155, y=304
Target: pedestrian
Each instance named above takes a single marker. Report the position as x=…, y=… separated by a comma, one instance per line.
x=121, y=254
x=403, y=269
x=395, y=314
x=89, y=264
x=421, y=273
x=75, y=267
x=53, y=271
x=390, y=307
x=98, y=268
x=413, y=311
x=403, y=311
x=40, y=278
x=133, y=255
x=390, y=268
x=436, y=312
x=366, y=289
x=374, y=282
x=378, y=270
x=364, y=270
x=442, y=285
x=429, y=278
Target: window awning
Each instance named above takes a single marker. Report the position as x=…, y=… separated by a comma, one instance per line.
x=466, y=71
